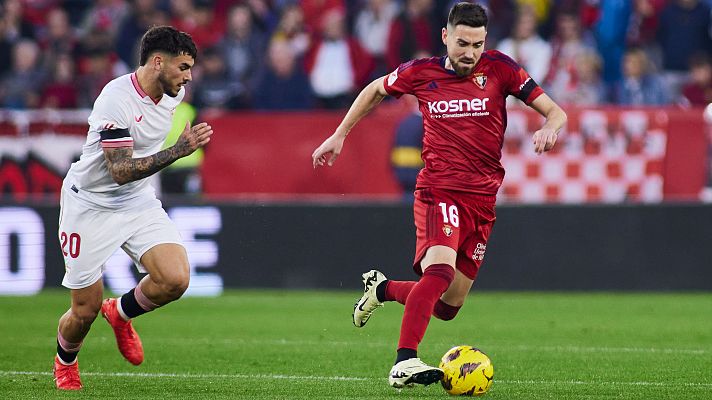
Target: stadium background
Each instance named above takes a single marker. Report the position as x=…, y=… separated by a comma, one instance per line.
x=596, y=283
x=620, y=201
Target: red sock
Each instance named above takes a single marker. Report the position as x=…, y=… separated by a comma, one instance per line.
x=445, y=311
x=399, y=290
x=420, y=303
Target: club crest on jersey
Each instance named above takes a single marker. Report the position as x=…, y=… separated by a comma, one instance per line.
x=480, y=80
x=447, y=230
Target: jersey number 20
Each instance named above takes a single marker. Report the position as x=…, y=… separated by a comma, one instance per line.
x=70, y=244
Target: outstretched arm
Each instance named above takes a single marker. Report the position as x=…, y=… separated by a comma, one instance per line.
x=545, y=138
x=369, y=97
x=124, y=168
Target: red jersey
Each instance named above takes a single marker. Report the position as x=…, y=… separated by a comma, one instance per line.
x=464, y=118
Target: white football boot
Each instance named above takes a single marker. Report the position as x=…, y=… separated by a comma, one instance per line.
x=368, y=303
x=411, y=371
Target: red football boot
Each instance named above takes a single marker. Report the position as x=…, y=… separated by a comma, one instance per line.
x=66, y=377
x=126, y=337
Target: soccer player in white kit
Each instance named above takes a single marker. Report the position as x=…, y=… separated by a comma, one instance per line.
x=107, y=202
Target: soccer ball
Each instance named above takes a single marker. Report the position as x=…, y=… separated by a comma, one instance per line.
x=468, y=371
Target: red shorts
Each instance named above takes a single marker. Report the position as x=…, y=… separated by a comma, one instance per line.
x=459, y=220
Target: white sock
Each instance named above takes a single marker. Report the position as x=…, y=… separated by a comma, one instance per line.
x=64, y=362
x=120, y=310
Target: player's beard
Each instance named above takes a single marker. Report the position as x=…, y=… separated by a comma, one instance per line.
x=463, y=69
x=168, y=86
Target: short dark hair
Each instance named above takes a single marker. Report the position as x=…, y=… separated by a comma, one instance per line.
x=469, y=14
x=168, y=40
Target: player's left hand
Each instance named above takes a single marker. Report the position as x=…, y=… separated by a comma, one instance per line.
x=328, y=151
x=544, y=140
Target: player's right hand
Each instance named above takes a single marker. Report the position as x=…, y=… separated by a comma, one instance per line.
x=328, y=151
x=193, y=138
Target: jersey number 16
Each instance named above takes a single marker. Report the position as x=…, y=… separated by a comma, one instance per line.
x=450, y=212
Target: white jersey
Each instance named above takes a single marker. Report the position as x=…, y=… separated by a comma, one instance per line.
x=123, y=115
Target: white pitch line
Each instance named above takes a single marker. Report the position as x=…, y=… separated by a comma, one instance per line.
x=580, y=349
x=159, y=375
x=641, y=383
x=196, y=376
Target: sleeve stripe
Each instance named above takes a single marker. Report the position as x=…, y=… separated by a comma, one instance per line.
x=114, y=134
x=117, y=143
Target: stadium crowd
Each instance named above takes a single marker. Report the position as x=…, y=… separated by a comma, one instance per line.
x=306, y=54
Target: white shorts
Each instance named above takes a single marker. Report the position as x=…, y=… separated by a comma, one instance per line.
x=88, y=237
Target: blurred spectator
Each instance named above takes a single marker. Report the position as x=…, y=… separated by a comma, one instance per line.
x=21, y=86
x=104, y=15
x=526, y=47
x=385, y=32
x=143, y=15
x=372, y=27
x=283, y=85
x=698, y=92
x=182, y=13
x=61, y=90
x=567, y=46
x=196, y=18
x=643, y=26
x=221, y=7
x=243, y=49
x=35, y=11
x=14, y=26
x=58, y=38
x=501, y=15
x=585, y=88
x=540, y=8
x=96, y=70
x=639, y=86
x=683, y=31
x=610, y=29
x=5, y=49
x=406, y=158
x=337, y=65
x=292, y=29
x=315, y=10
x=213, y=89
x=264, y=17
x=411, y=34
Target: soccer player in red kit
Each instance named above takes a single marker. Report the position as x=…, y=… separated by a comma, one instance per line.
x=462, y=99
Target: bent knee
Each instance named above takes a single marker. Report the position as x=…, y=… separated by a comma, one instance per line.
x=175, y=286
x=85, y=315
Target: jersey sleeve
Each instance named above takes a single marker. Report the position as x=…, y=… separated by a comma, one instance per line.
x=110, y=120
x=400, y=82
x=518, y=83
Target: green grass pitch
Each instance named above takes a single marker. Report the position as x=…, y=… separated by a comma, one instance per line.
x=302, y=345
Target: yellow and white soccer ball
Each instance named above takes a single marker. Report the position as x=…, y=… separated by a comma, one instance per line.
x=468, y=371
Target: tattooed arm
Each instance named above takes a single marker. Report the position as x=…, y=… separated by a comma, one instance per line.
x=124, y=168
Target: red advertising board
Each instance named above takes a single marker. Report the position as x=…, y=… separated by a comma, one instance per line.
x=604, y=155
